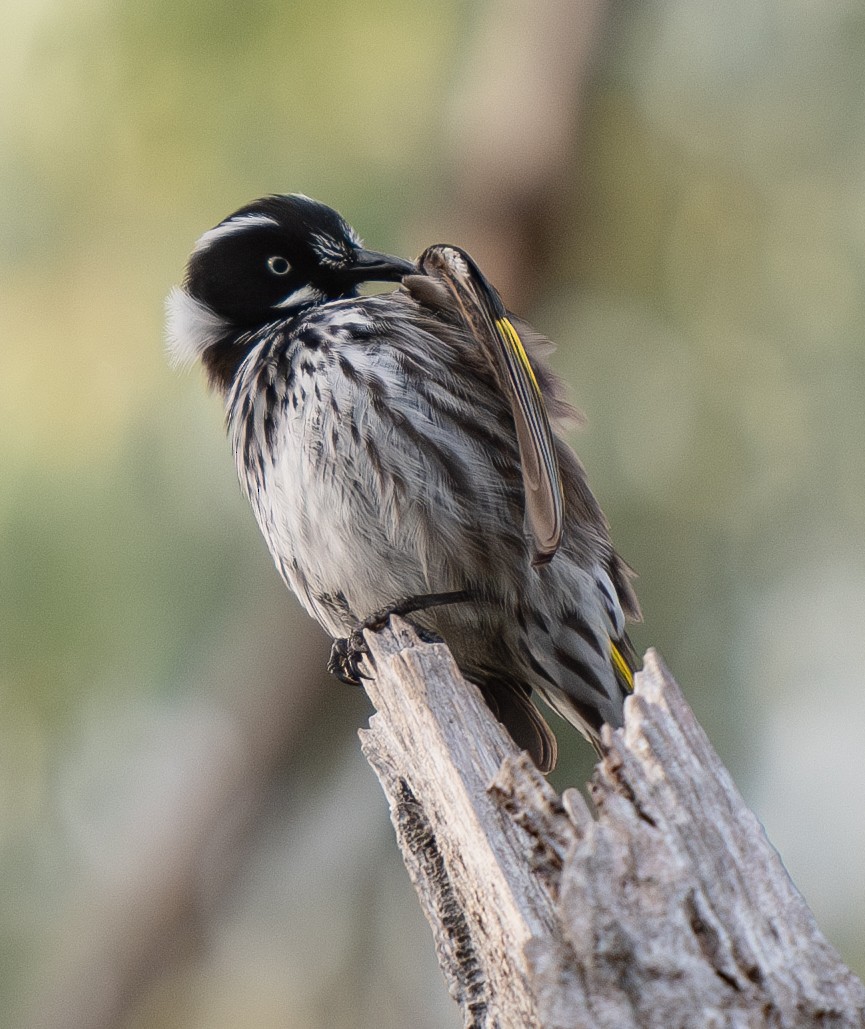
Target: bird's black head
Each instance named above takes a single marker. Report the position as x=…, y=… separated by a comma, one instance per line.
x=266, y=262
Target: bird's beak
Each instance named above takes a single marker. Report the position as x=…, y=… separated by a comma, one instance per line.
x=370, y=266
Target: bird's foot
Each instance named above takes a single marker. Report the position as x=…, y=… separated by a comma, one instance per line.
x=346, y=655
x=348, y=652
x=427, y=635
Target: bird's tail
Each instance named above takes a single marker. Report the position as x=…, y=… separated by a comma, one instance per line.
x=511, y=703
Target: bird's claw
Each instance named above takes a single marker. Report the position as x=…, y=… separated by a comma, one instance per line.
x=346, y=656
x=348, y=652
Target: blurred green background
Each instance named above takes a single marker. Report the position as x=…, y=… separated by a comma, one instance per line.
x=188, y=833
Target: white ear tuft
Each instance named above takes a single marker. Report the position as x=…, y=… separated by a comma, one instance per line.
x=190, y=328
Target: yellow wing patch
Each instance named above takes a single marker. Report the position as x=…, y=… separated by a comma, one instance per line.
x=516, y=344
x=623, y=669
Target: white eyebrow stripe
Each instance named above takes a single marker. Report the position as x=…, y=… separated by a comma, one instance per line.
x=305, y=295
x=232, y=225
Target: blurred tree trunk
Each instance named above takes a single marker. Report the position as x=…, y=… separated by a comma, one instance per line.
x=144, y=922
x=666, y=907
x=514, y=135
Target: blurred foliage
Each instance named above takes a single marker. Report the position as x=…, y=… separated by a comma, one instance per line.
x=707, y=296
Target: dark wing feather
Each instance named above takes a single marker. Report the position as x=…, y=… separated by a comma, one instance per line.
x=457, y=277
x=512, y=705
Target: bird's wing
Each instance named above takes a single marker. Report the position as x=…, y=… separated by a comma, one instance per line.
x=483, y=312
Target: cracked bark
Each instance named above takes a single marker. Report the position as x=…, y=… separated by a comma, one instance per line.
x=663, y=906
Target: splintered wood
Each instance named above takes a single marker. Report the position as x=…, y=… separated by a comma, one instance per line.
x=665, y=906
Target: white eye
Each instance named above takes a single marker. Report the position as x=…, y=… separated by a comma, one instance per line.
x=278, y=265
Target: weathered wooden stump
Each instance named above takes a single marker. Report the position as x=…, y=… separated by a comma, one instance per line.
x=664, y=907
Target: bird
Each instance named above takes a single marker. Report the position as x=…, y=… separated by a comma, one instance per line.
x=403, y=452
